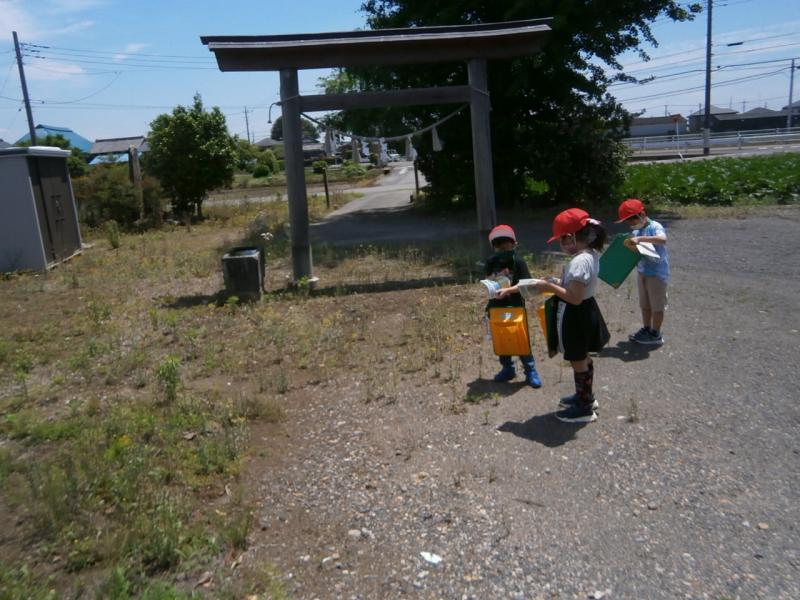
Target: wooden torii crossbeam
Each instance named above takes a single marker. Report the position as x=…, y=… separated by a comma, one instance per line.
x=289, y=53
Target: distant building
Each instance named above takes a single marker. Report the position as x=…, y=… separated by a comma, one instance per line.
x=115, y=149
x=42, y=131
x=795, y=113
x=757, y=118
x=4, y=144
x=268, y=142
x=696, y=118
x=312, y=149
x=646, y=126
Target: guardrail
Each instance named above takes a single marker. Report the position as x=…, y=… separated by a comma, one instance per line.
x=737, y=139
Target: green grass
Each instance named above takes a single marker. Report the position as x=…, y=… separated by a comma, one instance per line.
x=771, y=179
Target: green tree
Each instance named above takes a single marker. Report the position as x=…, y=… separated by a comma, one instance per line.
x=107, y=194
x=310, y=133
x=266, y=164
x=76, y=161
x=246, y=154
x=554, y=120
x=191, y=153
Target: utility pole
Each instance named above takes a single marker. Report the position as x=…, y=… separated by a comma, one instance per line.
x=247, y=125
x=25, y=98
x=707, y=116
x=791, y=89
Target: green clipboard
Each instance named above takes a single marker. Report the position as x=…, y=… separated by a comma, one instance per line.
x=617, y=261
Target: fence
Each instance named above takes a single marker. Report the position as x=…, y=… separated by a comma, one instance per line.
x=739, y=139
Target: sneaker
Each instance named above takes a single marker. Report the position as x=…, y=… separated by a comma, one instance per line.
x=532, y=378
x=505, y=374
x=570, y=401
x=576, y=414
x=642, y=336
x=654, y=339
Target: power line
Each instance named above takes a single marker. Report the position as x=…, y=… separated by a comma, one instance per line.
x=163, y=67
x=696, y=88
x=8, y=76
x=111, y=53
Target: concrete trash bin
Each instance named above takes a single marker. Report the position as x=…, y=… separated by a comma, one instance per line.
x=243, y=270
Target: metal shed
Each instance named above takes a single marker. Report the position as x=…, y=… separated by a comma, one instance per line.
x=38, y=217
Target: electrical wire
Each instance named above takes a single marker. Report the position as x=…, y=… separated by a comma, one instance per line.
x=111, y=53
x=8, y=76
x=696, y=88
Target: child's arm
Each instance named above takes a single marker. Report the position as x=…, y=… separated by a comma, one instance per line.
x=572, y=294
x=652, y=239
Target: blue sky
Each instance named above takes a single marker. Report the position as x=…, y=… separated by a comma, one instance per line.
x=106, y=68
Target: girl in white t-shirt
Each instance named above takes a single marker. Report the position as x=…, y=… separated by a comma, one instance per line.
x=581, y=328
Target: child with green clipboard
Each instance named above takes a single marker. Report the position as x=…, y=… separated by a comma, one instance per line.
x=649, y=239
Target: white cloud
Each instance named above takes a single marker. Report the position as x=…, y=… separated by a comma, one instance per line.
x=131, y=48
x=16, y=15
x=14, y=18
x=60, y=7
x=54, y=71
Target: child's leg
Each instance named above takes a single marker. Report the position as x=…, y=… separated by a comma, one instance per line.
x=644, y=301
x=647, y=318
x=508, y=372
x=581, y=411
x=658, y=320
x=583, y=371
x=529, y=366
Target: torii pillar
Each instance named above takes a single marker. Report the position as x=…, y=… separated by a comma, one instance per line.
x=288, y=53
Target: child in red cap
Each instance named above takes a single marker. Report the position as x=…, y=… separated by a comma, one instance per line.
x=505, y=263
x=581, y=328
x=653, y=273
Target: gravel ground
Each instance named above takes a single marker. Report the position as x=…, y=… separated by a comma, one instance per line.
x=696, y=497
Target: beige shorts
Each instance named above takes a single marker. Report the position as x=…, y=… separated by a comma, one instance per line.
x=652, y=293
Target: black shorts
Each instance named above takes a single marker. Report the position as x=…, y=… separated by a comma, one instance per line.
x=583, y=330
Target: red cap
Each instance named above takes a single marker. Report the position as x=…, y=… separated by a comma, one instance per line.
x=502, y=231
x=629, y=208
x=568, y=221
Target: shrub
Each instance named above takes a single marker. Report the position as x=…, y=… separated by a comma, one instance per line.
x=106, y=194
x=266, y=164
x=351, y=169
x=112, y=232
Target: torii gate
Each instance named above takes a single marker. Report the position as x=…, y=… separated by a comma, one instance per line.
x=288, y=53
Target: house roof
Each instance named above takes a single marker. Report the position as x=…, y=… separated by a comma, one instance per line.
x=714, y=110
x=761, y=111
x=118, y=145
x=268, y=142
x=754, y=114
x=795, y=105
x=658, y=120
x=76, y=140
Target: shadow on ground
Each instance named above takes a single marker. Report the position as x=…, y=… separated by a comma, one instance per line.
x=488, y=388
x=544, y=429
x=627, y=351
x=386, y=286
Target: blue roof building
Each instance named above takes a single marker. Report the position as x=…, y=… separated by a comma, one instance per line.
x=42, y=131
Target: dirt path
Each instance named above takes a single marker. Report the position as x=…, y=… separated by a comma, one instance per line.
x=698, y=498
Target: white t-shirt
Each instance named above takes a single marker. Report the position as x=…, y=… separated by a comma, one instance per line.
x=583, y=267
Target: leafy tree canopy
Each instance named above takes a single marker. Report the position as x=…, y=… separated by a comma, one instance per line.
x=555, y=126
x=76, y=162
x=310, y=133
x=191, y=153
